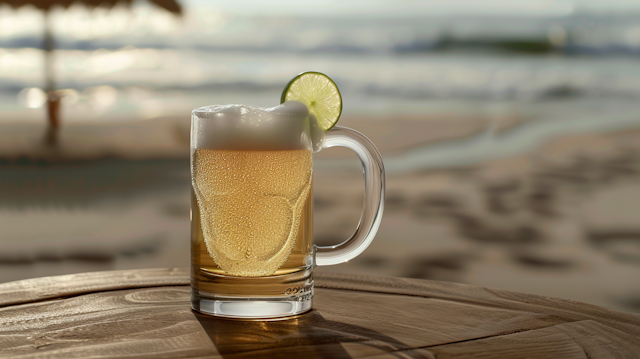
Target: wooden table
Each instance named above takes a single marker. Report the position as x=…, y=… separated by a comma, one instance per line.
x=146, y=314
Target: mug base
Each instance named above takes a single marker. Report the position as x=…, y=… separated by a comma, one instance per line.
x=250, y=308
x=272, y=297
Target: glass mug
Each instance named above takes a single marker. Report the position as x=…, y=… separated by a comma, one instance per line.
x=252, y=251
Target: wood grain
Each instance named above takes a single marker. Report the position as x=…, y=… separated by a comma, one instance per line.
x=146, y=314
x=37, y=289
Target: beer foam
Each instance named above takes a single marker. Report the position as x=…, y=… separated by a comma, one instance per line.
x=288, y=126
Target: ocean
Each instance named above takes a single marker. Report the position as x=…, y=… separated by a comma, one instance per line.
x=407, y=64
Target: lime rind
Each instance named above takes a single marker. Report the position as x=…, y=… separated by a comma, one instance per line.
x=319, y=93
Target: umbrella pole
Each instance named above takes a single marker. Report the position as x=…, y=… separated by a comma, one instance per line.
x=53, y=100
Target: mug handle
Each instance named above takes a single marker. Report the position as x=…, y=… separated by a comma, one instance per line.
x=373, y=197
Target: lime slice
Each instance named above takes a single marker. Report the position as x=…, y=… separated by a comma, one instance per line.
x=319, y=93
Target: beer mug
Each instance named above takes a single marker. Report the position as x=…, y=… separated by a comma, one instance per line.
x=252, y=251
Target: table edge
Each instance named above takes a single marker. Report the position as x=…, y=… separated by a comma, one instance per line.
x=59, y=287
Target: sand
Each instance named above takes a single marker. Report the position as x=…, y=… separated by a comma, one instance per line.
x=562, y=219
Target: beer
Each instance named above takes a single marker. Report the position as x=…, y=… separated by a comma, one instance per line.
x=252, y=251
x=252, y=217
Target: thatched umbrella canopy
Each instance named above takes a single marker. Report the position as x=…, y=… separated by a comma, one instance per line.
x=53, y=102
x=169, y=5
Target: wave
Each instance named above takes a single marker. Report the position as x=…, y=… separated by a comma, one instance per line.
x=424, y=46
x=412, y=76
x=560, y=91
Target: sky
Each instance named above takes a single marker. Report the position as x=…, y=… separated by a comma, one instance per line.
x=206, y=15
x=26, y=21
x=421, y=7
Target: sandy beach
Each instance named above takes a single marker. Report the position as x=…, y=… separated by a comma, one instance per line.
x=558, y=220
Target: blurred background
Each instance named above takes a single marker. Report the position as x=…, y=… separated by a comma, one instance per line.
x=510, y=132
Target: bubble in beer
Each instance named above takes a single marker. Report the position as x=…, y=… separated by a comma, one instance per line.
x=250, y=206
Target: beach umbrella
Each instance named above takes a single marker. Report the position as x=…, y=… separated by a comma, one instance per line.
x=53, y=100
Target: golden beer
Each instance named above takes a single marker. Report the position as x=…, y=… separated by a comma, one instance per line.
x=252, y=217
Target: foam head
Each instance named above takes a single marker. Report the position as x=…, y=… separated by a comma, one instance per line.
x=241, y=127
